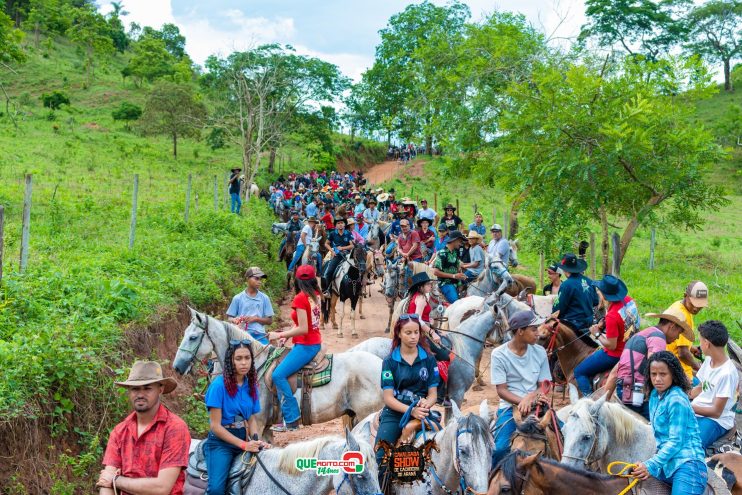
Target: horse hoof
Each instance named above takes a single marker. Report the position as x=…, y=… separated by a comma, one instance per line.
x=363, y=317
x=355, y=335
x=334, y=326
x=386, y=330
x=340, y=335
x=477, y=388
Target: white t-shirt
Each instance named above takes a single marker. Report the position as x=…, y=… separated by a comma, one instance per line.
x=307, y=229
x=721, y=381
x=521, y=373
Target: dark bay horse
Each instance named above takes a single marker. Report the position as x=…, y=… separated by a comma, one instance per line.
x=346, y=284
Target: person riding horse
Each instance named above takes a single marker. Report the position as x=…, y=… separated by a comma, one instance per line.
x=427, y=238
x=294, y=225
x=447, y=267
x=308, y=233
x=576, y=298
x=339, y=240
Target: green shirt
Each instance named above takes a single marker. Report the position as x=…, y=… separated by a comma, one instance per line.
x=447, y=262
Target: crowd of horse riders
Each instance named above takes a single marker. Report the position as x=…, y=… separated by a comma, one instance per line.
x=687, y=392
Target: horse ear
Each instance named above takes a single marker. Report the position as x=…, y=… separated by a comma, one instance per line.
x=544, y=423
x=484, y=410
x=351, y=441
x=531, y=459
x=514, y=242
x=194, y=313
x=574, y=394
x=595, y=406
x=456, y=411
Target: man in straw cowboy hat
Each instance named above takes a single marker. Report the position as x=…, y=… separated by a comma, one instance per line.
x=627, y=377
x=476, y=256
x=371, y=214
x=147, y=451
x=695, y=298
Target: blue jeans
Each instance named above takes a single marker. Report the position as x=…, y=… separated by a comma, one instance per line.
x=236, y=202
x=390, y=247
x=643, y=410
x=711, y=431
x=504, y=429
x=688, y=479
x=390, y=431
x=449, y=292
x=595, y=363
x=297, y=259
x=296, y=359
x=470, y=275
x=219, y=456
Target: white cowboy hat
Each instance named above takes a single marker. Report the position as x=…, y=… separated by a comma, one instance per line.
x=382, y=197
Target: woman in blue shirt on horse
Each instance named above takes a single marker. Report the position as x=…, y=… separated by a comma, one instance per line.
x=679, y=460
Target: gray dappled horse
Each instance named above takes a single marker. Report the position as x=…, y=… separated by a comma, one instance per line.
x=353, y=389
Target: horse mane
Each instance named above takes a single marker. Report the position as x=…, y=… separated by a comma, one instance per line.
x=529, y=427
x=615, y=416
x=310, y=448
x=509, y=467
x=477, y=425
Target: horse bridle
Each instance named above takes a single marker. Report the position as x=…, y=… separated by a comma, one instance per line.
x=194, y=349
x=464, y=486
x=585, y=459
x=524, y=479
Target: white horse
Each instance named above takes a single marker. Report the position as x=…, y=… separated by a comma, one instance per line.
x=603, y=432
x=462, y=461
x=278, y=228
x=254, y=190
x=353, y=390
x=277, y=470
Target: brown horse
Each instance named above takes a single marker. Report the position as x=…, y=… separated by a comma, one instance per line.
x=733, y=462
x=537, y=434
x=570, y=349
x=525, y=474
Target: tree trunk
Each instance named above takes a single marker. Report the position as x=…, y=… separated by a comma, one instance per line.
x=272, y=160
x=604, y=244
x=429, y=145
x=352, y=133
x=630, y=230
x=514, y=208
x=388, y=138
x=728, y=85
x=36, y=34
x=175, y=145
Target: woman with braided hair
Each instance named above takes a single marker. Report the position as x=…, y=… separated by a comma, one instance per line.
x=232, y=402
x=679, y=460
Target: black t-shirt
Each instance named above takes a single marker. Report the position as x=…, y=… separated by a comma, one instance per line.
x=399, y=375
x=234, y=187
x=451, y=223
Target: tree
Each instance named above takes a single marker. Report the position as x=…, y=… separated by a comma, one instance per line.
x=127, y=112
x=716, y=33
x=10, y=52
x=174, y=110
x=116, y=27
x=636, y=26
x=91, y=31
x=150, y=59
x=170, y=35
x=608, y=141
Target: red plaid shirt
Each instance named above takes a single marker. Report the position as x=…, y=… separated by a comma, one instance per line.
x=164, y=444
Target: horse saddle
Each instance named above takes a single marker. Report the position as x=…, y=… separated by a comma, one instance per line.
x=411, y=432
x=653, y=486
x=196, y=476
x=730, y=442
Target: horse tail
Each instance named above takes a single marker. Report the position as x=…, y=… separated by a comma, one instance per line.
x=326, y=308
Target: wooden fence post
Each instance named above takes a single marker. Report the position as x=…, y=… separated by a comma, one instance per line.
x=26, y=229
x=458, y=212
x=226, y=190
x=133, y=225
x=2, y=239
x=593, y=268
x=616, y=253
x=541, y=262
x=505, y=224
x=435, y=201
x=188, y=198
x=216, y=194
x=494, y=214
x=652, y=241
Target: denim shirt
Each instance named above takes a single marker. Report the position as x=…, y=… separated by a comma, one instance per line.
x=675, y=430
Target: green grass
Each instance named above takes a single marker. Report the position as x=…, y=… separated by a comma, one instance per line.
x=713, y=254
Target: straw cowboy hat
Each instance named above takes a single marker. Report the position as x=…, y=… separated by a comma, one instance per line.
x=148, y=372
x=473, y=234
x=678, y=317
x=382, y=197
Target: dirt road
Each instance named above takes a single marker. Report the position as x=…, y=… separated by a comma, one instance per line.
x=393, y=169
x=372, y=323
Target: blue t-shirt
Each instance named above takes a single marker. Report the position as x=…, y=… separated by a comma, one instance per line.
x=241, y=404
x=337, y=240
x=245, y=305
x=479, y=229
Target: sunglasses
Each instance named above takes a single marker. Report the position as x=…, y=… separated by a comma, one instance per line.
x=235, y=343
x=410, y=316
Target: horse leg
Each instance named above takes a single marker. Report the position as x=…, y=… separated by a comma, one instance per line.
x=342, y=318
x=360, y=308
x=333, y=308
x=480, y=383
x=353, y=318
x=389, y=322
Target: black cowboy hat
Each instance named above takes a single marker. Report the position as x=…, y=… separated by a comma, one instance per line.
x=449, y=206
x=572, y=264
x=340, y=219
x=454, y=235
x=239, y=169
x=612, y=288
x=418, y=280
x=421, y=220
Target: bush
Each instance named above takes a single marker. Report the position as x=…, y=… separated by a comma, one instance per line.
x=215, y=139
x=127, y=112
x=54, y=100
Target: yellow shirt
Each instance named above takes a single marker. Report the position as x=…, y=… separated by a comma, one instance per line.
x=682, y=341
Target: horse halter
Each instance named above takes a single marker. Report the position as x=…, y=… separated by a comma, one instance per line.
x=193, y=350
x=585, y=459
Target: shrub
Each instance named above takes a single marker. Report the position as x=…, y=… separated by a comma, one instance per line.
x=127, y=112
x=54, y=100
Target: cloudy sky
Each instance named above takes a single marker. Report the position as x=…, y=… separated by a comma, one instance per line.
x=344, y=32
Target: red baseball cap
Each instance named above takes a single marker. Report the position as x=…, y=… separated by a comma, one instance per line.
x=306, y=272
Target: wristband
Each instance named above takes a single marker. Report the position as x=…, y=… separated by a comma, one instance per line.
x=243, y=446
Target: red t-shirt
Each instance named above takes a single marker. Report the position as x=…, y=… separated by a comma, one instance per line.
x=328, y=221
x=412, y=308
x=301, y=303
x=615, y=326
x=405, y=243
x=164, y=444
x=427, y=238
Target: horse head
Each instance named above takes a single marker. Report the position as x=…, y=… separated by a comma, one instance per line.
x=512, y=473
x=513, y=252
x=585, y=434
x=277, y=228
x=468, y=441
x=196, y=344
x=365, y=481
